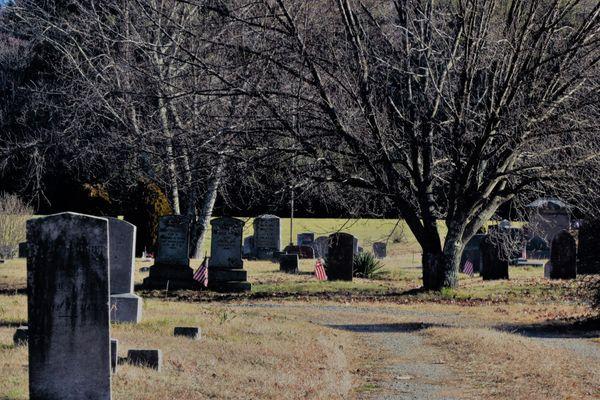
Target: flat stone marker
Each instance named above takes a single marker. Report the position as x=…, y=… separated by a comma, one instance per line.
x=321, y=246
x=305, y=239
x=267, y=236
x=492, y=266
x=188, y=331
x=380, y=250
x=563, y=256
x=225, y=267
x=288, y=263
x=125, y=305
x=588, y=261
x=145, y=358
x=341, y=257
x=114, y=355
x=21, y=336
x=68, y=299
x=172, y=263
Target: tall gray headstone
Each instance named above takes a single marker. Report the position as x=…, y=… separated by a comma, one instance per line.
x=172, y=262
x=125, y=305
x=267, y=236
x=225, y=267
x=380, y=249
x=341, y=257
x=321, y=246
x=68, y=297
x=563, y=256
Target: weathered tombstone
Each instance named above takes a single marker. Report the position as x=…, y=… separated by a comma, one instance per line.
x=288, y=263
x=302, y=251
x=191, y=332
x=341, y=257
x=548, y=270
x=355, y=245
x=68, y=299
x=321, y=246
x=125, y=305
x=549, y=216
x=225, y=268
x=305, y=239
x=172, y=262
x=492, y=265
x=380, y=249
x=21, y=336
x=114, y=355
x=267, y=236
x=563, y=256
x=472, y=252
x=248, y=247
x=146, y=358
x=537, y=248
x=23, y=250
x=588, y=261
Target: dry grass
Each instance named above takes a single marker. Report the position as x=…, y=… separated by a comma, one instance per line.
x=244, y=353
x=507, y=366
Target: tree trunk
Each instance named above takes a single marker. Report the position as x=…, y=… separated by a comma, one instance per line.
x=440, y=268
x=200, y=225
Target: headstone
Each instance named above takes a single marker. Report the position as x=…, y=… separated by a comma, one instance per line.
x=114, y=355
x=172, y=263
x=548, y=270
x=563, y=256
x=21, y=336
x=125, y=305
x=288, y=263
x=267, y=236
x=549, y=216
x=537, y=248
x=588, y=259
x=355, y=245
x=187, y=331
x=23, y=250
x=302, y=251
x=68, y=299
x=380, y=250
x=492, y=265
x=321, y=246
x=341, y=257
x=225, y=267
x=305, y=239
x=146, y=358
x=472, y=252
x=248, y=247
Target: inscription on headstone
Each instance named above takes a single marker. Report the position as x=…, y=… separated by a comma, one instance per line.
x=267, y=236
x=341, y=257
x=68, y=297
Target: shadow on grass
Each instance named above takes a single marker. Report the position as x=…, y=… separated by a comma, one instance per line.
x=567, y=329
x=407, y=327
x=12, y=291
x=12, y=324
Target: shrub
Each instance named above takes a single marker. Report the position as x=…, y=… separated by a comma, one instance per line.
x=13, y=215
x=147, y=204
x=365, y=265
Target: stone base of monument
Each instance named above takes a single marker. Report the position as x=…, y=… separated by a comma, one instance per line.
x=126, y=307
x=228, y=280
x=179, y=277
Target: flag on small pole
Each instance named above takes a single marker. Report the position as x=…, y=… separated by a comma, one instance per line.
x=201, y=275
x=320, y=270
x=468, y=268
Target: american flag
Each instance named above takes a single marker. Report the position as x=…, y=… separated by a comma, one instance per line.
x=468, y=268
x=201, y=275
x=320, y=270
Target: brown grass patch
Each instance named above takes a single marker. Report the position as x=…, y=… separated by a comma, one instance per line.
x=507, y=366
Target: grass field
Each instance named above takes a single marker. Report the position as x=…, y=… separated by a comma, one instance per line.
x=280, y=341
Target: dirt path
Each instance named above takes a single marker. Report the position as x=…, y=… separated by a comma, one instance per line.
x=414, y=369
